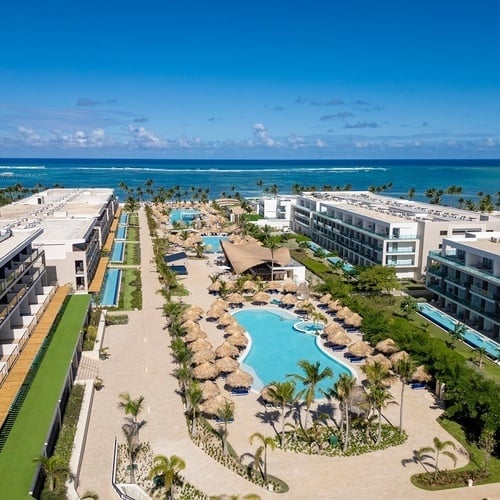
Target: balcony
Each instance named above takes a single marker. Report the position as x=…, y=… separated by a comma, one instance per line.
x=485, y=294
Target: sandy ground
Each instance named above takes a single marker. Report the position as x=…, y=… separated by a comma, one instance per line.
x=140, y=363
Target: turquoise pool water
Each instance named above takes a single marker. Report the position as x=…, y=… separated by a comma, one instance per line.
x=214, y=243
x=308, y=327
x=186, y=215
x=118, y=251
x=111, y=287
x=124, y=219
x=276, y=348
x=121, y=233
x=475, y=339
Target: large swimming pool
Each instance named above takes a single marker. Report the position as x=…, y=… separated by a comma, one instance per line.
x=124, y=218
x=212, y=243
x=472, y=337
x=111, y=288
x=276, y=348
x=118, y=251
x=121, y=232
x=185, y=214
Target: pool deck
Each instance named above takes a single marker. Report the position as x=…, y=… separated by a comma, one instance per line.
x=140, y=363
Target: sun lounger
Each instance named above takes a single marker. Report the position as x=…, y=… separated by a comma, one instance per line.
x=239, y=391
x=356, y=359
x=418, y=385
x=337, y=348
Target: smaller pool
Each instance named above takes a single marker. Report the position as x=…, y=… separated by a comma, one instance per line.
x=348, y=268
x=111, y=288
x=212, y=243
x=121, y=233
x=124, y=218
x=309, y=327
x=183, y=215
x=118, y=251
x=472, y=337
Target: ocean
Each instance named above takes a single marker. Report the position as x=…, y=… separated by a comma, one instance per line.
x=243, y=176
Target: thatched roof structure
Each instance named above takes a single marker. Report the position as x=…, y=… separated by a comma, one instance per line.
x=239, y=378
x=249, y=286
x=226, y=319
x=190, y=325
x=205, y=371
x=274, y=285
x=379, y=358
x=202, y=356
x=209, y=390
x=304, y=305
x=219, y=303
x=344, y=313
x=190, y=314
x=290, y=287
x=421, y=375
x=234, y=328
x=398, y=356
x=212, y=406
x=353, y=319
x=194, y=335
x=335, y=305
x=226, y=364
x=339, y=338
x=361, y=349
x=238, y=340
x=333, y=328
x=289, y=299
x=236, y=298
x=387, y=346
x=227, y=349
x=215, y=312
x=199, y=345
x=266, y=396
x=261, y=297
x=325, y=299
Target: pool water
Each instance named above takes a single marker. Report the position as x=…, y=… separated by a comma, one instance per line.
x=121, y=233
x=111, y=287
x=212, y=243
x=276, y=348
x=308, y=327
x=475, y=339
x=118, y=251
x=124, y=218
x=186, y=215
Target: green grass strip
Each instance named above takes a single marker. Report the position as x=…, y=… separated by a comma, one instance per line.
x=26, y=439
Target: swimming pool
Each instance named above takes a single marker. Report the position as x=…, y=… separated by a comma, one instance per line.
x=276, y=348
x=475, y=339
x=121, y=233
x=185, y=214
x=118, y=251
x=111, y=288
x=212, y=243
x=308, y=327
x=124, y=218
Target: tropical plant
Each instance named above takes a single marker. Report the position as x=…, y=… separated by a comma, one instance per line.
x=379, y=397
x=131, y=430
x=479, y=355
x=487, y=443
x=408, y=306
x=272, y=242
x=458, y=332
x=439, y=448
x=261, y=452
x=283, y=394
x=168, y=469
x=377, y=373
x=131, y=406
x=225, y=414
x=343, y=391
x=404, y=370
x=194, y=396
x=54, y=469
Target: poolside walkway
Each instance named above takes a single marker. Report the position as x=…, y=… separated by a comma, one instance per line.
x=140, y=363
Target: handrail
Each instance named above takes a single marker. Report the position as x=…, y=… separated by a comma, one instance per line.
x=120, y=493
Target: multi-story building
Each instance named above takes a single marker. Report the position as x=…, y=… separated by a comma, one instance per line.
x=24, y=294
x=275, y=207
x=465, y=276
x=75, y=223
x=366, y=229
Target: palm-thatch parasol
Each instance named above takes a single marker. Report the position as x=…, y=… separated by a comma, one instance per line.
x=234, y=328
x=215, y=312
x=214, y=287
x=205, y=371
x=249, y=286
x=325, y=299
x=421, y=375
x=226, y=364
x=387, y=346
x=238, y=340
x=239, y=378
x=398, y=356
x=194, y=335
x=226, y=319
x=289, y=299
x=227, y=349
x=274, y=286
x=353, y=320
x=235, y=298
x=209, y=390
x=379, y=358
x=199, y=345
x=290, y=287
x=197, y=309
x=261, y=298
x=202, y=356
x=190, y=325
x=212, y=406
x=361, y=349
x=339, y=338
x=304, y=305
x=344, y=313
x=333, y=328
x=219, y=303
x=266, y=396
x=189, y=314
x=334, y=305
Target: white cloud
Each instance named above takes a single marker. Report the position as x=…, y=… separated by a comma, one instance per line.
x=145, y=139
x=320, y=143
x=260, y=133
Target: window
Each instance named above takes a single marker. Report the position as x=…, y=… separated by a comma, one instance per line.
x=443, y=233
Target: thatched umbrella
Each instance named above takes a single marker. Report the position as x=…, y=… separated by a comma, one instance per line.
x=421, y=375
x=215, y=313
x=361, y=349
x=235, y=298
x=353, y=320
x=209, y=390
x=333, y=328
x=212, y=406
x=214, y=287
x=226, y=319
x=205, y=371
x=226, y=364
x=379, y=358
x=334, y=305
x=227, y=349
x=234, y=328
x=239, y=378
x=190, y=315
x=194, y=335
x=238, y=340
x=274, y=285
x=325, y=299
x=219, y=303
x=266, y=396
x=197, y=309
x=387, y=346
x=290, y=287
x=202, y=356
x=190, y=325
x=199, y=345
x=344, y=313
x=304, y=305
x=289, y=299
x=339, y=338
x=249, y=286
x=261, y=298
x=398, y=356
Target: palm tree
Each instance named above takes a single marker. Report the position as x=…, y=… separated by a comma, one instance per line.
x=168, y=468
x=132, y=407
x=404, y=369
x=131, y=430
x=283, y=394
x=439, y=448
x=458, y=332
x=193, y=398
x=379, y=397
x=261, y=453
x=411, y=193
x=225, y=414
x=310, y=379
x=479, y=355
x=53, y=468
x=272, y=242
x=342, y=391
x=131, y=204
x=376, y=373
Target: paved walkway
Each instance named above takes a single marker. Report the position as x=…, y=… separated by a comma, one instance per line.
x=140, y=363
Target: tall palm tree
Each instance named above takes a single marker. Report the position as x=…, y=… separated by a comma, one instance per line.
x=377, y=373
x=272, y=242
x=54, y=469
x=379, y=397
x=283, y=393
x=458, y=332
x=225, y=414
x=404, y=370
x=310, y=379
x=261, y=453
x=131, y=430
x=439, y=448
x=343, y=391
x=168, y=468
x=194, y=395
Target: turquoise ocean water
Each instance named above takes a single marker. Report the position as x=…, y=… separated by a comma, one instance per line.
x=241, y=176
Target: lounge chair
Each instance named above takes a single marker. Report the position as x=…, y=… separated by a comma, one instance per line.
x=240, y=391
x=356, y=359
x=337, y=348
x=418, y=385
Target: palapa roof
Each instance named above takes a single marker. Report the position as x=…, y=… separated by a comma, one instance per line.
x=379, y=358
x=244, y=257
x=289, y=299
x=398, y=356
x=290, y=287
x=202, y=356
x=213, y=405
x=236, y=298
x=421, y=375
x=193, y=335
x=199, y=345
x=227, y=349
x=226, y=364
x=239, y=378
x=205, y=371
x=361, y=349
x=261, y=297
x=238, y=340
x=387, y=346
x=209, y=390
x=324, y=299
x=339, y=337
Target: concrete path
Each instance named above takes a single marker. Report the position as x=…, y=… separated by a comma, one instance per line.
x=140, y=363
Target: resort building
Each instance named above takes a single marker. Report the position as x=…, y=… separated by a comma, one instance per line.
x=465, y=277
x=23, y=292
x=75, y=224
x=276, y=211
x=366, y=229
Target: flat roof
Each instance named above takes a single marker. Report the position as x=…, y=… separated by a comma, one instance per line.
x=17, y=240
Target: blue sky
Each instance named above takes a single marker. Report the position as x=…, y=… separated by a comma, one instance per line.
x=221, y=79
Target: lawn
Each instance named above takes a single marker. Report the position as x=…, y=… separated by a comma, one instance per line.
x=132, y=233
x=132, y=254
x=30, y=429
x=130, y=290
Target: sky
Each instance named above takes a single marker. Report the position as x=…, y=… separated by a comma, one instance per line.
x=262, y=79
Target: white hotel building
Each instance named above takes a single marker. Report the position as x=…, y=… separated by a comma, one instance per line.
x=366, y=229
